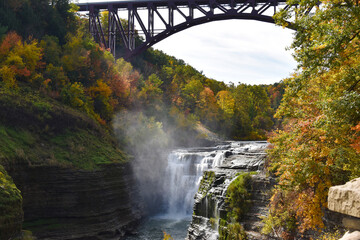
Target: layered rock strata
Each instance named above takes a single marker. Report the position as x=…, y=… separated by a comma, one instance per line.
x=66, y=203
x=210, y=201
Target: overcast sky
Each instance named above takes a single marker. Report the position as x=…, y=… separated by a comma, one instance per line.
x=237, y=51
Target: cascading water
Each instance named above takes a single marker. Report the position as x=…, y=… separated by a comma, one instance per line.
x=184, y=171
x=218, y=159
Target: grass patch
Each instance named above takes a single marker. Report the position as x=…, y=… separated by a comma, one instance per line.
x=238, y=197
x=41, y=131
x=78, y=148
x=239, y=203
x=231, y=231
x=84, y=150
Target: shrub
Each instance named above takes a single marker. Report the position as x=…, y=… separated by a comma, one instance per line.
x=239, y=197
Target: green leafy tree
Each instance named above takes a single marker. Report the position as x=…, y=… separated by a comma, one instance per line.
x=151, y=94
x=190, y=94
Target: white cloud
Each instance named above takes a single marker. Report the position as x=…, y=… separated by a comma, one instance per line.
x=234, y=50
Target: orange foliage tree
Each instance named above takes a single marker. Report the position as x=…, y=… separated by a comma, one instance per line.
x=19, y=60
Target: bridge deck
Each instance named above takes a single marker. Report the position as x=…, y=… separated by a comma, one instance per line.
x=161, y=3
x=173, y=20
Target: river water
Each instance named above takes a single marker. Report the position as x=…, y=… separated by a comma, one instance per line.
x=183, y=175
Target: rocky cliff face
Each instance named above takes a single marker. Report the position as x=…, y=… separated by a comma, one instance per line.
x=210, y=201
x=73, y=176
x=65, y=203
x=11, y=213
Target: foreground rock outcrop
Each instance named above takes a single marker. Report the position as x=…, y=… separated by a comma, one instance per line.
x=65, y=203
x=351, y=236
x=345, y=198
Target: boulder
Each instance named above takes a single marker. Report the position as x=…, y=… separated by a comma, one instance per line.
x=351, y=223
x=351, y=236
x=345, y=198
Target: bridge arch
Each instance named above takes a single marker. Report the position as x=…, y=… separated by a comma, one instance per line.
x=198, y=12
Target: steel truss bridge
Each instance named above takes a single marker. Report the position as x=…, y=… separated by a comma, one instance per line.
x=159, y=19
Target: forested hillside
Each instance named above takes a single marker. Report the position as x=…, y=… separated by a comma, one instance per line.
x=62, y=97
x=53, y=53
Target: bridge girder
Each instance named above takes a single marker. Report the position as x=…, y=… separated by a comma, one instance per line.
x=190, y=12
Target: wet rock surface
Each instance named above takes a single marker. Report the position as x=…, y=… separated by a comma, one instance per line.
x=210, y=201
x=65, y=203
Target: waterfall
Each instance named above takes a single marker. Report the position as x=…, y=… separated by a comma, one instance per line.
x=180, y=177
x=185, y=169
x=183, y=173
x=218, y=160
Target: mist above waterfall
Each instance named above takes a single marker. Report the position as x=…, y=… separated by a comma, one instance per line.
x=168, y=179
x=146, y=140
x=149, y=141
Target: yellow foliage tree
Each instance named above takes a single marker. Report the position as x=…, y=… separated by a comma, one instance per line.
x=226, y=102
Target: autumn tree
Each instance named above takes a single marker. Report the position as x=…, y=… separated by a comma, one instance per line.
x=226, y=102
x=315, y=149
x=150, y=94
x=124, y=83
x=100, y=94
x=19, y=60
x=207, y=108
x=190, y=94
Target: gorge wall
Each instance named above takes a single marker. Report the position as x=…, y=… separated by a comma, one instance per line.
x=65, y=203
x=74, y=178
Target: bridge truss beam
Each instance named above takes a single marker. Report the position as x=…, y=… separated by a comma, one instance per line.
x=172, y=16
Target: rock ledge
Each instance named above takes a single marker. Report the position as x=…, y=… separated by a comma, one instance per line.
x=345, y=198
